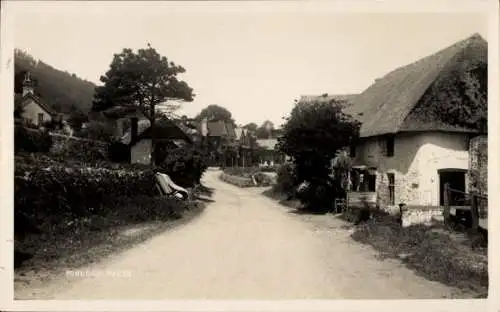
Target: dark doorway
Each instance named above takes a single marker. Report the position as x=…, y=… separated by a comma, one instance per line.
x=456, y=181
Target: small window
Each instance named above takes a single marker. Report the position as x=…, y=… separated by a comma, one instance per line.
x=40, y=118
x=391, y=187
x=390, y=146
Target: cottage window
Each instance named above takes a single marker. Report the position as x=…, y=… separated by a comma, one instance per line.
x=40, y=118
x=391, y=185
x=390, y=146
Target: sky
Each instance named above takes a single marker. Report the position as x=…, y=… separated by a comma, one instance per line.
x=254, y=62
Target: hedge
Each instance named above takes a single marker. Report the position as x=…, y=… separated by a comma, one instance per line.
x=44, y=186
x=236, y=180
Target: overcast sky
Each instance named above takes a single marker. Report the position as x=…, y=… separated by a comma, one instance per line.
x=254, y=63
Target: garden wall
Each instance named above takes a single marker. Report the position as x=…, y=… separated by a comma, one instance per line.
x=413, y=215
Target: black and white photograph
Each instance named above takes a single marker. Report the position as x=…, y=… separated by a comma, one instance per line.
x=263, y=150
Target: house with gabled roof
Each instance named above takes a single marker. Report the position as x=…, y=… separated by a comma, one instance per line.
x=31, y=108
x=407, y=150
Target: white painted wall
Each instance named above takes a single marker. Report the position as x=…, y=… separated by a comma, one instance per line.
x=440, y=151
x=415, y=164
x=31, y=111
x=140, y=153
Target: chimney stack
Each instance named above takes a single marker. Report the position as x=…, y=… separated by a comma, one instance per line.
x=134, y=125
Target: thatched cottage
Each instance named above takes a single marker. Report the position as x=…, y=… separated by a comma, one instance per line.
x=409, y=146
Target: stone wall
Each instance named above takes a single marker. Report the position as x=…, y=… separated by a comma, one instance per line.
x=478, y=164
x=78, y=148
x=421, y=215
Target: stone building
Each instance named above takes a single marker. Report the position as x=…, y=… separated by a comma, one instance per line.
x=406, y=152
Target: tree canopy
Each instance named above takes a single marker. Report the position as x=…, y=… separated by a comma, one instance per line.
x=251, y=126
x=144, y=79
x=265, y=130
x=215, y=112
x=314, y=133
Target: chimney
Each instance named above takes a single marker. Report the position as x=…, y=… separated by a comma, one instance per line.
x=27, y=85
x=134, y=122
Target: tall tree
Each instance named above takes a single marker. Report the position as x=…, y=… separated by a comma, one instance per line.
x=313, y=135
x=215, y=112
x=265, y=130
x=144, y=79
x=251, y=126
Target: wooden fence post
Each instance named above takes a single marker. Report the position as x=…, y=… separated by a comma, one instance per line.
x=446, y=203
x=474, y=212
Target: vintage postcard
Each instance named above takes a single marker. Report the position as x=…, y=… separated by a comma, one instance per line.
x=253, y=155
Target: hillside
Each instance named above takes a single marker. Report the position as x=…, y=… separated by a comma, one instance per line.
x=63, y=91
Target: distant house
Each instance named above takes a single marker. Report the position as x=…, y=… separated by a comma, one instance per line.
x=30, y=108
x=133, y=130
x=138, y=138
x=405, y=152
x=268, y=148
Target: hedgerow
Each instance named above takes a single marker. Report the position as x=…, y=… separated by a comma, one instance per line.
x=45, y=186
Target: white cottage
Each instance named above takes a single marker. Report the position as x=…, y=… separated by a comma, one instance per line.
x=407, y=151
x=32, y=109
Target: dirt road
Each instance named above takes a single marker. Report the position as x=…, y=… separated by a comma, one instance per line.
x=246, y=246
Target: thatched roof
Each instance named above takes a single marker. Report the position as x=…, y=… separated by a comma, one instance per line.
x=348, y=98
x=385, y=105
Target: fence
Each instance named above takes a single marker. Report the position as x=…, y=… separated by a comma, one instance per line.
x=470, y=205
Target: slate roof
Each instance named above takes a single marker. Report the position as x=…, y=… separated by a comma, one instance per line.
x=20, y=101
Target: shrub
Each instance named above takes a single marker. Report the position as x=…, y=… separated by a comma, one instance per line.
x=47, y=187
x=95, y=130
x=237, y=180
x=286, y=182
x=313, y=134
x=246, y=172
x=32, y=141
x=263, y=179
x=185, y=165
x=85, y=150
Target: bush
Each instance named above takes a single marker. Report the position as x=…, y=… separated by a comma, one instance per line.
x=32, y=141
x=237, y=180
x=85, y=150
x=246, y=172
x=184, y=165
x=286, y=182
x=96, y=130
x=263, y=179
x=47, y=187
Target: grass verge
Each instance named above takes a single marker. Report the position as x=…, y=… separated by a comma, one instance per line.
x=434, y=252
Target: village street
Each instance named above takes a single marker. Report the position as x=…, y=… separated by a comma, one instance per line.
x=246, y=246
